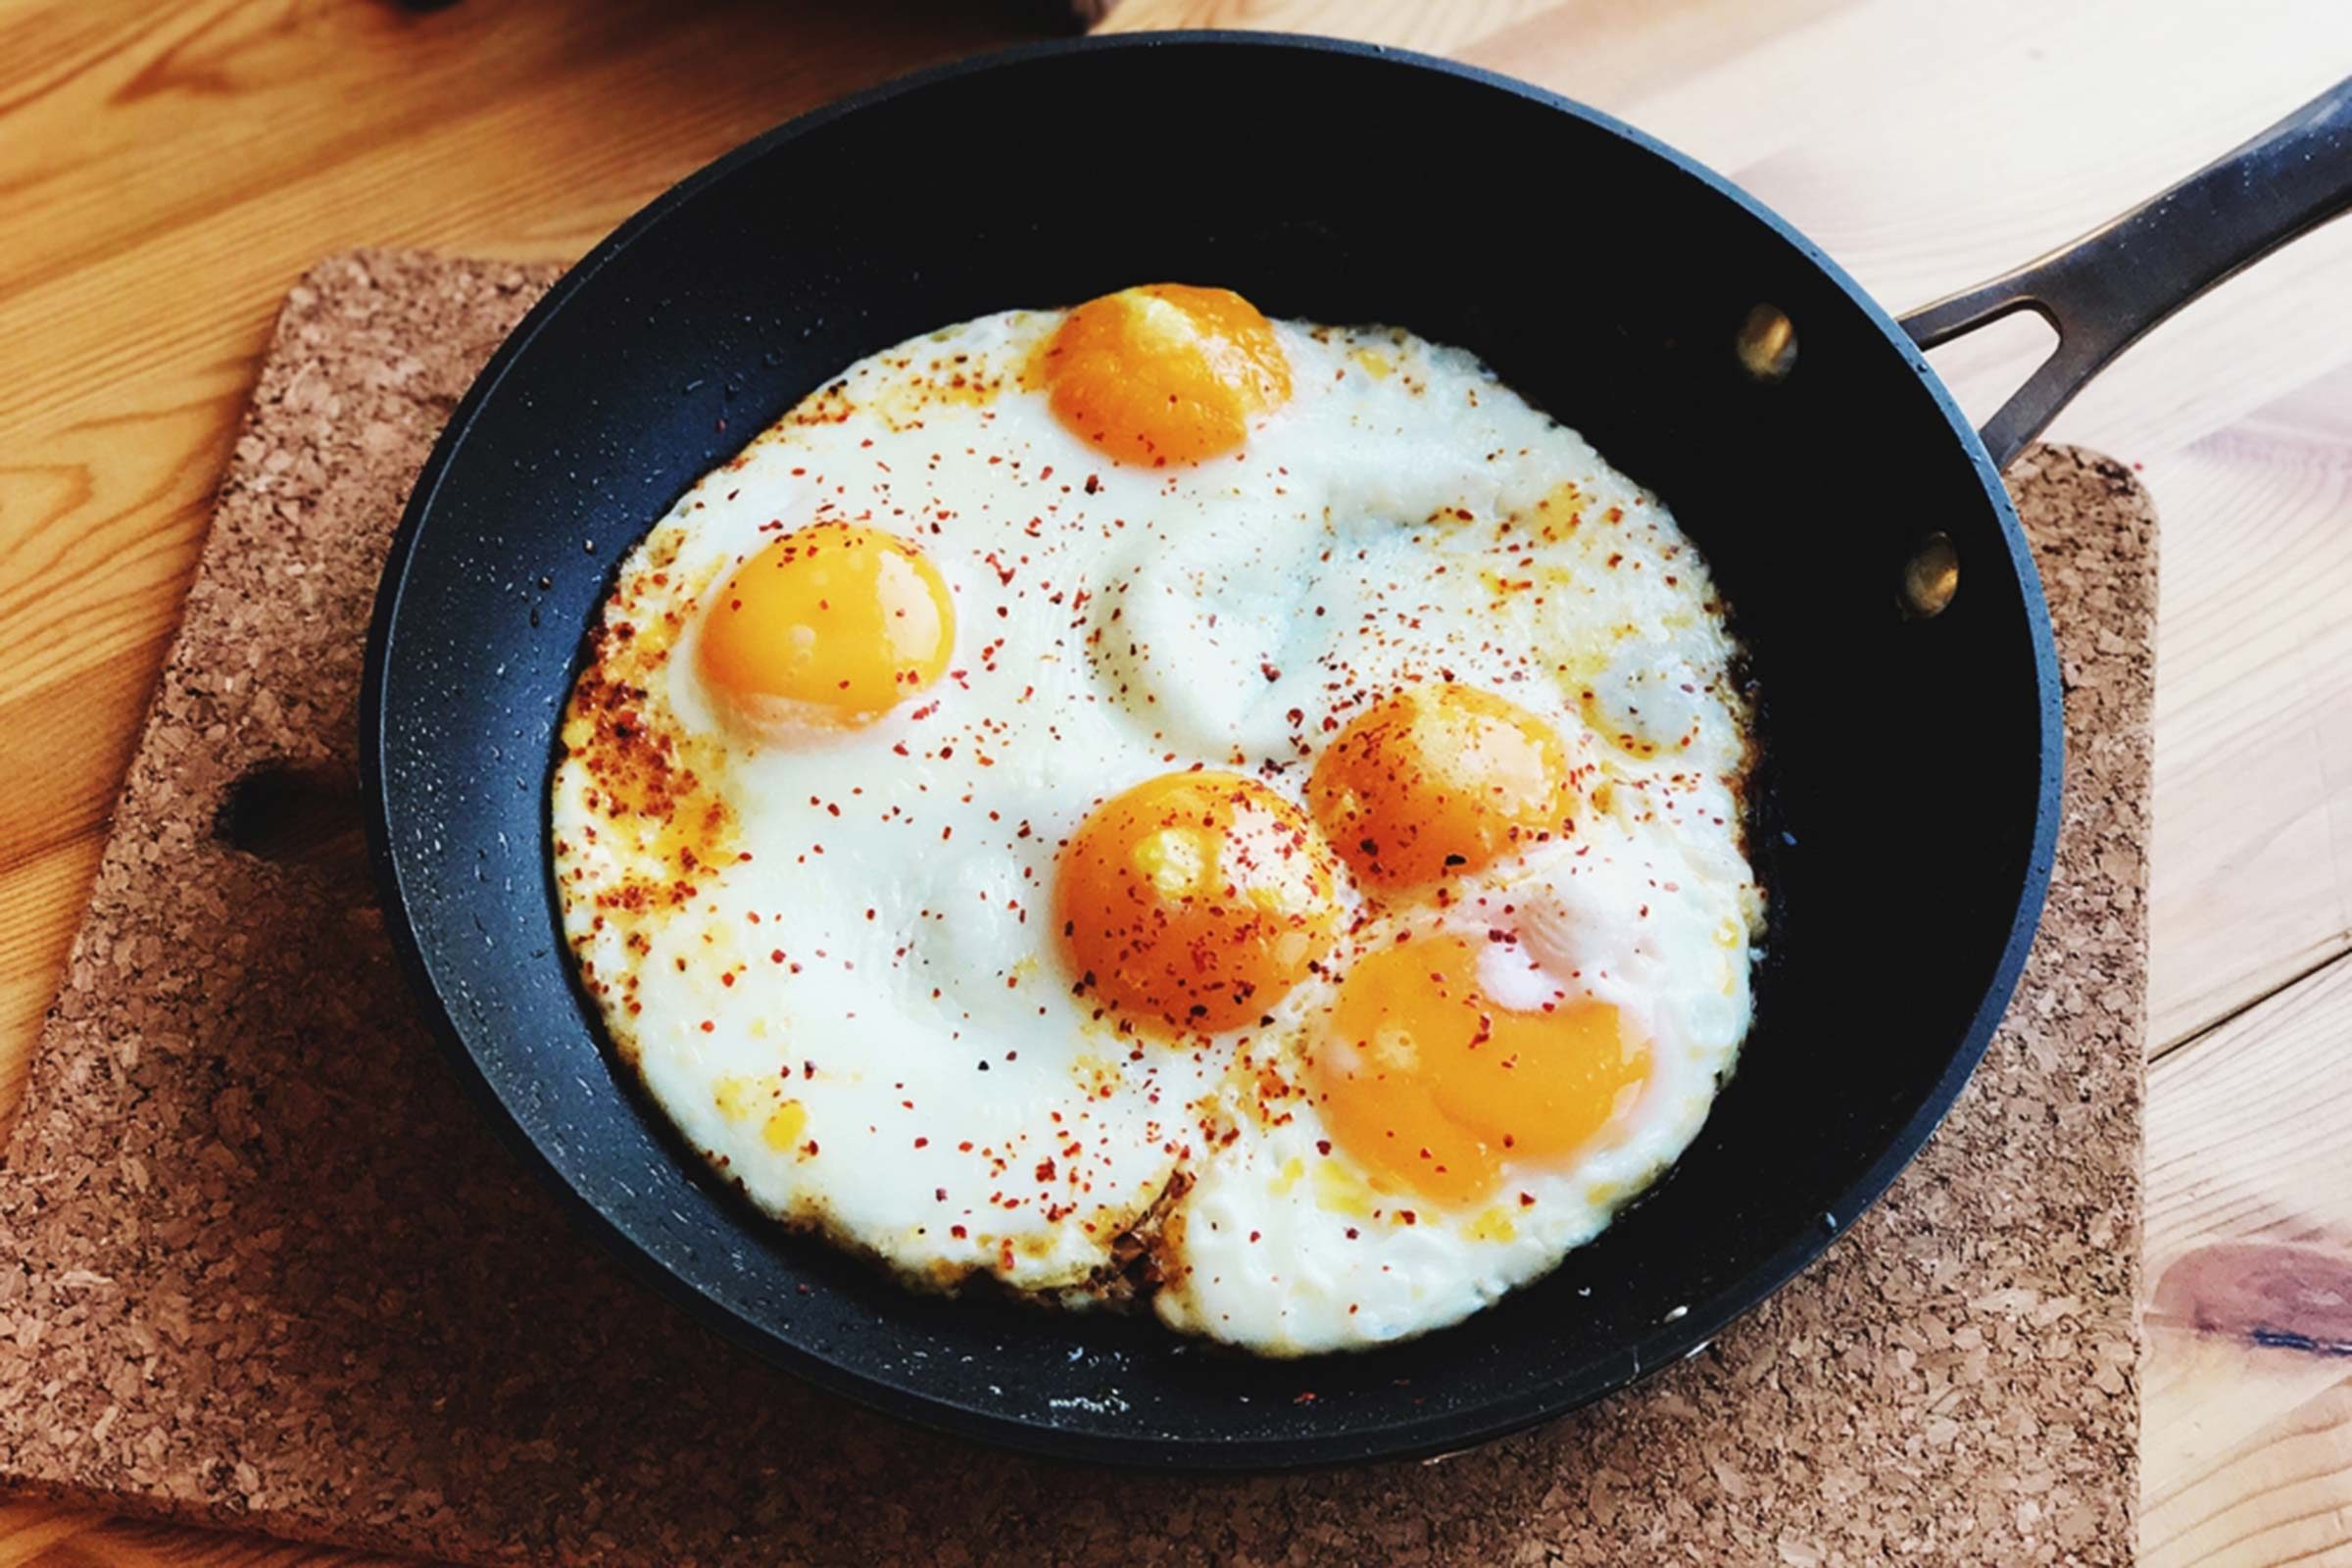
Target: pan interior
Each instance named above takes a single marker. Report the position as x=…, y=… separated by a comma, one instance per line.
x=1908, y=762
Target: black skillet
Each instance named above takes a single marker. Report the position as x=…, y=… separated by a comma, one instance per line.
x=1701, y=344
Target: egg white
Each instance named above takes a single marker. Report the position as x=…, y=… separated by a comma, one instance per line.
x=868, y=970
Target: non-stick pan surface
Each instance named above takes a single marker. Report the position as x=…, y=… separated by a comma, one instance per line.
x=1912, y=764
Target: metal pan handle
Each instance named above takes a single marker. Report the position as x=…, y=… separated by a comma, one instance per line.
x=2104, y=290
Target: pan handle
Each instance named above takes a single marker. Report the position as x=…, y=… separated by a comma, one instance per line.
x=2103, y=291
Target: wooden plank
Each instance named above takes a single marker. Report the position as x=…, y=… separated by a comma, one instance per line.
x=1402, y=24
x=2011, y=127
x=1962, y=141
x=98, y=533
x=41, y=898
x=2247, y=1402
x=42, y=1535
x=153, y=229
x=431, y=146
x=170, y=167
x=2253, y=842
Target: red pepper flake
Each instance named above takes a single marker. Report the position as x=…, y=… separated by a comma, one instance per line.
x=1305, y=1397
x=956, y=1231
x=709, y=1027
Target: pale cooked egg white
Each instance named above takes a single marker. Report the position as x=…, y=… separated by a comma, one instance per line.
x=830, y=953
x=1289, y=1248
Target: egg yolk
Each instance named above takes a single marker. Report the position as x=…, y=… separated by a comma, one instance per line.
x=1166, y=374
x=1437, y=780
x=830, y=625
x=1429, y=1085
x=1197, y=898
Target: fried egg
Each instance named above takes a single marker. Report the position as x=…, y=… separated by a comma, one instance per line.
x=1149, y=805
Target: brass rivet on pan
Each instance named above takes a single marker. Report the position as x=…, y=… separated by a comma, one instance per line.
x=1767, y=343
x=1931, y=577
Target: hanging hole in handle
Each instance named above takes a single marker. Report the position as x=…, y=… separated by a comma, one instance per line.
x=1990, y=362
x=293, y=815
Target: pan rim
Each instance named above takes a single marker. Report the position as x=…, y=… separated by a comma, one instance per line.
x=1418, y=1436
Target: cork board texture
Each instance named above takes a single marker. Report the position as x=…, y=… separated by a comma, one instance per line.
x=269, y=1269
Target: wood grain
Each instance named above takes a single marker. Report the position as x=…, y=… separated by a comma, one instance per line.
x=1924, y=178
x=2253, y=843
x=168, y=165
x=2247, y=1403
x=1439, y=29
x=168, y=169
x=42, y=1535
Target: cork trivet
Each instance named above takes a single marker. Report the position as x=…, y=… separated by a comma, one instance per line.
x=272, y=1269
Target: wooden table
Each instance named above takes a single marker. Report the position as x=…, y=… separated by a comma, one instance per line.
x=167, y=167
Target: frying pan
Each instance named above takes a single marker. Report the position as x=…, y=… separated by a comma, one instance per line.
x=1856, y=524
